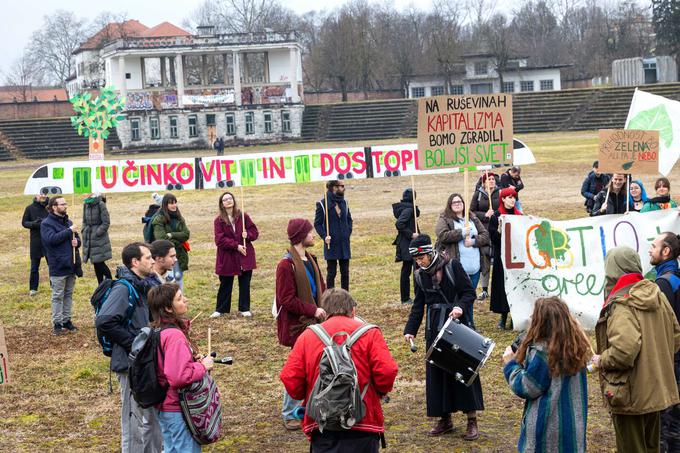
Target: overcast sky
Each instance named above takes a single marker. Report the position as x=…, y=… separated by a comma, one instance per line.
x=19, y=19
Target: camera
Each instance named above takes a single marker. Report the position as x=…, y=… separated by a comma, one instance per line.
x=518, y=341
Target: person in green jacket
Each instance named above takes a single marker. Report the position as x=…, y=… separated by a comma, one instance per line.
x=169, y=224
x=662, y=186
x=637, y=337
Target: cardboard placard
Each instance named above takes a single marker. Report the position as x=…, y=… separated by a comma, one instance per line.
x=464, y=131
x=629, y=151
x=4, y=359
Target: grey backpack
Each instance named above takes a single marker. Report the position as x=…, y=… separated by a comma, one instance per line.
x=336, y=402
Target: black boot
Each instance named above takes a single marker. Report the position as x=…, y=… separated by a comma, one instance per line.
x=502, y=321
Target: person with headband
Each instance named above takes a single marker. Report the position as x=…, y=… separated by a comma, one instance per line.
x=441, y=294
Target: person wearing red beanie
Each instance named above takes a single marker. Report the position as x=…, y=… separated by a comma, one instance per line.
x=299, y=287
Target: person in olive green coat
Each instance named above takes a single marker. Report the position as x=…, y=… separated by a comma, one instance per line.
x=637, y=337
x=169, y=224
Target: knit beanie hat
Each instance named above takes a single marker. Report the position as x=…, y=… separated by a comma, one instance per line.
x=298, y=229
x=421, y=245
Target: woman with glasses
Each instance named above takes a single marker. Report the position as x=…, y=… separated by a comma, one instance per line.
x=662, y=186
x=463, y=242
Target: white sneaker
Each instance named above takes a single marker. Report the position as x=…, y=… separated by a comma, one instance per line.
x=246, y=314
x=216, y=314
x=32, y=292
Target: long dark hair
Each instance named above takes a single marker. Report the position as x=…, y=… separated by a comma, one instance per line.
x=568, y=347
x=223, y=211
x=160, y=300
x=448, y=212
x=167, y=199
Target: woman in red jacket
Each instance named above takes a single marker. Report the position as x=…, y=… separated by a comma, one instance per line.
x=235, y=255
x=178, y=366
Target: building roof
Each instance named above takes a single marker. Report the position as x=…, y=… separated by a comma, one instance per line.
x=490, y=55
x=9, y=93
x=111, y=32
x=165, y=29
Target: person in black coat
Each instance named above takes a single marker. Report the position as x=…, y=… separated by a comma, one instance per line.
x=483, y=209
x=336, y=241
x=613, y=199
x=439, y=297
x=499, y=299
x=592, y=185
x=33, y=216
x=406, y=232
x=512, y=178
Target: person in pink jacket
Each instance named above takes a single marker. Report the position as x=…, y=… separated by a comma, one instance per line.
x=178, y=364
x=235, y=255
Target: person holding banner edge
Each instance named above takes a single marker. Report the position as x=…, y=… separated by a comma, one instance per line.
x=336, y=228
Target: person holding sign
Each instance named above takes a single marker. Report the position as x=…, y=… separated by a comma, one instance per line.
x=442, y=294
x=235, y=255
x=485, y=201
x=662, y=186
x=336, y=240
x=406, y=232
x=499, y=299
x=463, y=241
x=613, y=199
x=638, y=195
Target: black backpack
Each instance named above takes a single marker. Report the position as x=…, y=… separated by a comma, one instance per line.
x=143, y=356
x=98, y=299
x=150, y=214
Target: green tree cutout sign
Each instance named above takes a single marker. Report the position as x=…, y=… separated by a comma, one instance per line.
x=654, y=119
x=96, y=116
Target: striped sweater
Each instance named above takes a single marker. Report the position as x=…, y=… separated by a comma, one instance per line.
x=555, y=410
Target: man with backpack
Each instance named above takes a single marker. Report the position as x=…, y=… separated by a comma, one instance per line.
x=663, y=255
x=120, y=318
x=299, y=287
x=343, y=410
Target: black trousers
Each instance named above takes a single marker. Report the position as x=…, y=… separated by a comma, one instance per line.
x=670, y=420
x=34, y=276
x=332, y=271
x=224, y=293
x=350, y=442
x=101, y=270
x=405, y=280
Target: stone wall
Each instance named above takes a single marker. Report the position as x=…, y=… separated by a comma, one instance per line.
x=39, y=109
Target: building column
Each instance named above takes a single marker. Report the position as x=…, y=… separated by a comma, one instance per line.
x=179, y=78
x=121, y=78
x=237, y=78
x=292, y=75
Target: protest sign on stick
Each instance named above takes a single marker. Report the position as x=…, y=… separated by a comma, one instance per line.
x=629, y=151
x=4, y=359
x=464, y=131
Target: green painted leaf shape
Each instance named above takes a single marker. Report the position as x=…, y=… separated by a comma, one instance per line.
x=627, y=165
x=654, y=119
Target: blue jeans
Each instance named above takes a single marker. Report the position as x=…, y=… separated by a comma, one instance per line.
x=289, y=406
x=179, y=275
x=474, y=278
x=176, y=435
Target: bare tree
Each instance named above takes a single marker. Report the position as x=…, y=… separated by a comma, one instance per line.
x=21, y=77
x=52, y=45
x=242, y=16
x=443, y=41
x=499, y=43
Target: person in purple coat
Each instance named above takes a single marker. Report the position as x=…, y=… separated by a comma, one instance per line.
x=233, y=257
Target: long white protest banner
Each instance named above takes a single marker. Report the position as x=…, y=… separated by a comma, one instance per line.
x=656, y=113
x=138, y=175
x=542, y=258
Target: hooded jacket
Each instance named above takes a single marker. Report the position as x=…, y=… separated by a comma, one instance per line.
x=340, y=226
x=637, y=336
x=590, y=186
x=96, y=222
x=33, y=216
x=480, y=204
x=405, y=225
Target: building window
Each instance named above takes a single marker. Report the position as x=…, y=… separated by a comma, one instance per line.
x=173, y=127
x=268, y=122
x=508, y=87
x=231, y=124
x=155, y=128
x=254, y=67
x=285, y=121
x=437, y=91
x=418, y=92
x=546, y=85
x=134, y=129
x=249, y=123
x=193, y=126
x=526, y=85
x=480, y=68
x=456, y=89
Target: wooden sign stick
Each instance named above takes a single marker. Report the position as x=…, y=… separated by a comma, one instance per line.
x=194, y=318
x=73, y=234
x=325, y=200
x=243, y=215
x=606, y=197
x=209, y=340
x=415, y=217
x=466, y=194
x=628, y=195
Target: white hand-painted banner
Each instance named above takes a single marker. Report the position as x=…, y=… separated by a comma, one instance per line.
x=545, y=258
x=211, y=172
x=656, y=113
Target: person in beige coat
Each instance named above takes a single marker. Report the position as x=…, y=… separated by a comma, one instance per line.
x=637, y=336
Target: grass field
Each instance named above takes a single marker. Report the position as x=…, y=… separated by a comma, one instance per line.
x=59, y=399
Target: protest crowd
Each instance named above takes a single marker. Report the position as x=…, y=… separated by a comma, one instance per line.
x=339, y=369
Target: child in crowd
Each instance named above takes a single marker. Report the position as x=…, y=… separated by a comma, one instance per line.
x=549, y=372
x=178, y=366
